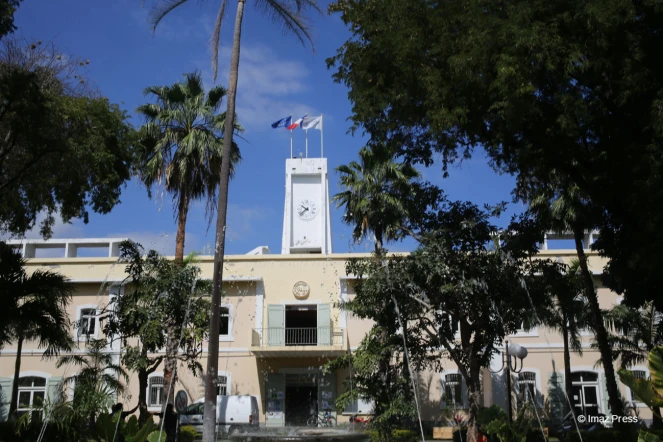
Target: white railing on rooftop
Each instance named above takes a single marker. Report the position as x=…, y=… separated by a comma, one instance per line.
x=70, y=246
x=588, y=239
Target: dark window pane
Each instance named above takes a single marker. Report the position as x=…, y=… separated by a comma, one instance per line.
x=224, y=322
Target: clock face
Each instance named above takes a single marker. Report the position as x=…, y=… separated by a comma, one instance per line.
x=306, y=209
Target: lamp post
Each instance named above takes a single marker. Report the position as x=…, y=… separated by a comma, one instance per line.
x=512, y=352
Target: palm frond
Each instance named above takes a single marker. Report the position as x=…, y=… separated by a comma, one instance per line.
x=215, y=40
x=161, y=9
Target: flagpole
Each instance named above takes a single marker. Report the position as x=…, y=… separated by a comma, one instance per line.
x=306, y=143
x=291, y=143
x=322, y=146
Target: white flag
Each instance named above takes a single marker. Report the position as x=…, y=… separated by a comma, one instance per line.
x=312, y=123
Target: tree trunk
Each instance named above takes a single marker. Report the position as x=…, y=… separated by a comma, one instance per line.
x=13, y=404
x=209, y=419
x=143, y=414
x=473, y=403
x=170, y=367
x=614, y=399
x=657, y=422
x=172, y=346
x=182, y=213
x=568, y=383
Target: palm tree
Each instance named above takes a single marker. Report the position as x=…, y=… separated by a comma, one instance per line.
x=37, y=310
x=98, y=381
x=567, y=315
x=376, y=195
x=182, y=144
x=638, y=332
x=290, y=14
x=566, y=209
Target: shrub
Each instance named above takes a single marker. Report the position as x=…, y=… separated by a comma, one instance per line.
x=489, y=414
x=404, y=436
x=187, y=434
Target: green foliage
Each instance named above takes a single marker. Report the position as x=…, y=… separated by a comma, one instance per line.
x=550, y=89
x=187, y=434
x=107, y=428
x=648, y=391
x=156, y=436
x=182, y=140
x=64, y=149
x=638, y=331
x=376, y=194
x=158, y=293
x=522, y=429
x=396, y=435
x=7, y=10
x=490, y=414
x=460, y=280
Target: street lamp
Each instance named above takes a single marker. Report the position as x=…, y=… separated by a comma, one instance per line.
x=512, y=352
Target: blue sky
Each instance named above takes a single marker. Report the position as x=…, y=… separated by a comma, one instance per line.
x=278, y=77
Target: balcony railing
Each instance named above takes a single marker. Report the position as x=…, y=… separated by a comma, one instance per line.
x=297, y=336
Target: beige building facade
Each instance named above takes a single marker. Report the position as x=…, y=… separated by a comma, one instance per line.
x=282, y=321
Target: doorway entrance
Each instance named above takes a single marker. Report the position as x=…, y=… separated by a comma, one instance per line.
x=585, y=391
x=301, y=325
x=301, y=398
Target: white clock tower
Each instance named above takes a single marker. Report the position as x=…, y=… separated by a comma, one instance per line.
x=306, y=224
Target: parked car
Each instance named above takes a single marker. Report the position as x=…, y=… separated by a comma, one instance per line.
x=233, y=413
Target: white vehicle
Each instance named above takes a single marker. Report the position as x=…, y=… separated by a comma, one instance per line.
x=233, y=413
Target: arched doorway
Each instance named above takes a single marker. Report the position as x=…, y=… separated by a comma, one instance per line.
x=585, y=398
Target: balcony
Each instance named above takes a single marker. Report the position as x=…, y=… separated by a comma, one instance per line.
x=297, y=341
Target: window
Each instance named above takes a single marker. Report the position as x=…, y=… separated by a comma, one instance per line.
x=638, y=374
x=31, y=394
x=222, y=386
x=527, y=386
x=453, y=391
x=224, y=321
x=155, y=392
x=87, y=322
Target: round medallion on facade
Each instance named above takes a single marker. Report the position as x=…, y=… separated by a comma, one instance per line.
x=301, y=290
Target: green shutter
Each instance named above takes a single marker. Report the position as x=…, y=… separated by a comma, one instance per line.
x=324, y=324
x=275, y=324
x=275, y=401
x=5, y=397
x=604, y=394
x=55, y=389
x=556, y=396
x=327, y=393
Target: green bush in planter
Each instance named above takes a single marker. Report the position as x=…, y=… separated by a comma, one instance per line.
x=405, y=436
x=187, y=434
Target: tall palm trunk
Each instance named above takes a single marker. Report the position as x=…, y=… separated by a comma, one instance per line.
x=614, y=400
x=143, y=414
x=182, y=213
x=209, y=419
x=568, y=383
x=17, y=369
x=172, y=345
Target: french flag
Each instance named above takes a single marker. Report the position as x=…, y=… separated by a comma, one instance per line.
x=283, y=122
x=296, y=123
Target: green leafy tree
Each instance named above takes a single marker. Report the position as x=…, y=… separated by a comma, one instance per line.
x=35, y=310
x=561, y=91
x=7, y=10
x=292, y=16
x=567, y=314
x=183, y=141
x=158, y=293
x=98, y=382
x=63, y=148
x=459, y=294
x=377, y=190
